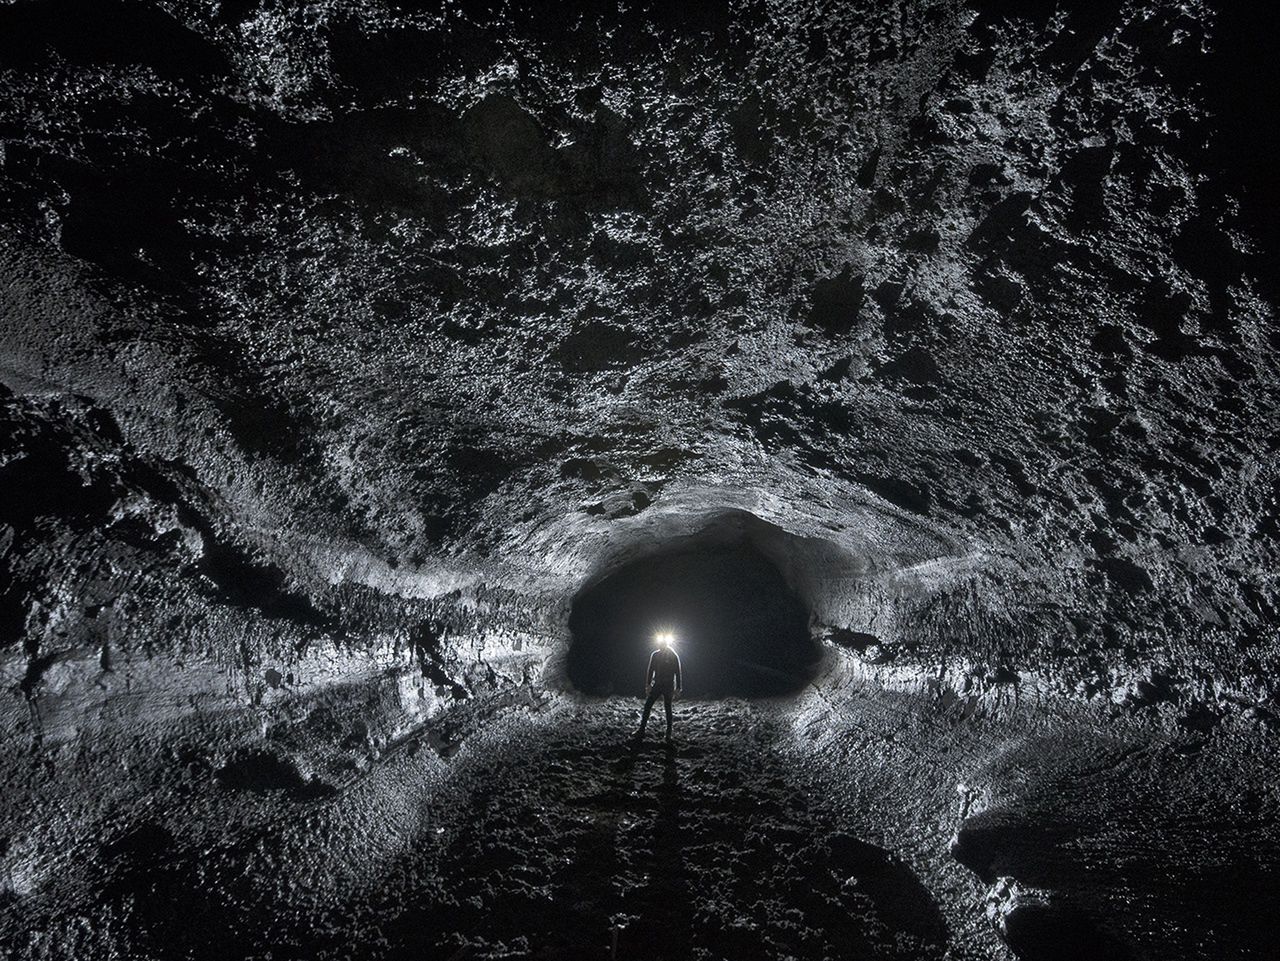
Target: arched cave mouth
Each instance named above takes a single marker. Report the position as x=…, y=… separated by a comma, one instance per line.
x=742, y=631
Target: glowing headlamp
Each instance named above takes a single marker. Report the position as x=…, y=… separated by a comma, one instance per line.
x=665, y=637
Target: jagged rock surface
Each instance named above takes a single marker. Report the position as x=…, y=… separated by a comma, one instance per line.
x=342, y=342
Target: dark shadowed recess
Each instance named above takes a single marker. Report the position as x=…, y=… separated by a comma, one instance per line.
x=741, y=630
x=105, y=32
x=1074, y=917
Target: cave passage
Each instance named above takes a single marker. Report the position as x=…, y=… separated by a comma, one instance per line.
x=741, y=630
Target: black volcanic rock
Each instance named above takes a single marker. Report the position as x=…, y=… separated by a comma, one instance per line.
x=345, y=346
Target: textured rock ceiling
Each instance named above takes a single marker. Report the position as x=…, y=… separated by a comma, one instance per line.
x=343, y=334
x=425, y=300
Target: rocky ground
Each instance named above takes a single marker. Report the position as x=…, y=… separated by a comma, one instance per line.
x=881, y=826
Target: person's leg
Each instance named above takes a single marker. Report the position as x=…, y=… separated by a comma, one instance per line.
x=648, y=706
x=666, y=702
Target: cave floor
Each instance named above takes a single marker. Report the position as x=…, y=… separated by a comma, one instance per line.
x=707, y=848
x=877, y=828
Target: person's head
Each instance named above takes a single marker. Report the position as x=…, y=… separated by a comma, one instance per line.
x=666, y=640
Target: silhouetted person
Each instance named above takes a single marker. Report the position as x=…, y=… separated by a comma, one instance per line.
x=661, y=678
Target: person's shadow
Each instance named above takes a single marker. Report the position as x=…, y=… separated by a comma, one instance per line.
x=659, y=920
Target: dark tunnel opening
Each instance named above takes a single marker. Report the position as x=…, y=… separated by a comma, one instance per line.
x=741, y=631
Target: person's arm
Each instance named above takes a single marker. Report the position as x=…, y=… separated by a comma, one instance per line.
x=679, y=676
x=648, y=673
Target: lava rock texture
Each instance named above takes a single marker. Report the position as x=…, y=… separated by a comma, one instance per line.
x=343, y=343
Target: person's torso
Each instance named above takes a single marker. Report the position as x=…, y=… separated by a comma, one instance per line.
x=664, y=667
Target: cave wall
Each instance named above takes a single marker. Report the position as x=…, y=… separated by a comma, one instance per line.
x=965, y=271
x=341, y=343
